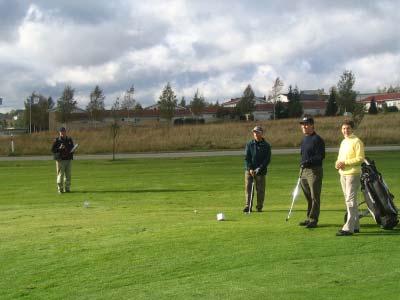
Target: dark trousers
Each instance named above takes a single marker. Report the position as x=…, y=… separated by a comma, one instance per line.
x=311, y=184
x=259, y=181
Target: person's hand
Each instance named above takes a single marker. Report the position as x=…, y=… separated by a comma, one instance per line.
x=251, y=172
x=340, y=165
x=256, y=171
x=305, y=164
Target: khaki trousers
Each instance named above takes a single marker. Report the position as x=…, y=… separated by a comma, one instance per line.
x=63, y=168
x=259, y=188
x=311, y=184
x=350, y=185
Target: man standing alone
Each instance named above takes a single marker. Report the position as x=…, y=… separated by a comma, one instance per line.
x=311, y=172
x=62, y=150
x=257, y=158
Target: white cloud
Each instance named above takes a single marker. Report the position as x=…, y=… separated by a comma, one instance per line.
x=216, y=46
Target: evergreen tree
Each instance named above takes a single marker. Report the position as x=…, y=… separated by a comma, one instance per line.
x=65, y=105
x=281, y=112
x=138, y=107
x=95, y=106
x=246, y=104
x=372, y=110
x=331, y=108
x=183, y=102
x=295, y=108
x=167, y=103
x=198, y=104
x=346, y=99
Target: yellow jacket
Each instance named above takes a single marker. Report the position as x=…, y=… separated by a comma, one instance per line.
x=351, y=152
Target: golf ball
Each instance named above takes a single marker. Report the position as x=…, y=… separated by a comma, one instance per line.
x=86, y=204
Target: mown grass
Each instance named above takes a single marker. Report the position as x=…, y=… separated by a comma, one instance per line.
x=374, y=130
x=140, y=237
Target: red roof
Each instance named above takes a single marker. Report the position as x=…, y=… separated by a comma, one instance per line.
x=382, y=97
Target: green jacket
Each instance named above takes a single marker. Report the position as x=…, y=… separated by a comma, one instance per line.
x=257, y=156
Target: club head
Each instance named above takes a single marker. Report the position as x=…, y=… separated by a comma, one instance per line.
x=287, y=219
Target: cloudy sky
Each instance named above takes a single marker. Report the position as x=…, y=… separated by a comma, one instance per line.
x=215, y=46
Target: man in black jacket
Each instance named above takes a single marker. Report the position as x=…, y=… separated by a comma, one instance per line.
x=257, y=158
x=61, y=149
x=312, y=155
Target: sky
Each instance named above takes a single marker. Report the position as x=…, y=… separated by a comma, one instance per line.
x=217, y=47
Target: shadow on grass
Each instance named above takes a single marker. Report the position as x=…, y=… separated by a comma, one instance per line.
x=380, y=232
x=302, y=210
x=132, y=191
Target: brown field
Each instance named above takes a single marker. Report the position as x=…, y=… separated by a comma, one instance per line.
x=382, y=129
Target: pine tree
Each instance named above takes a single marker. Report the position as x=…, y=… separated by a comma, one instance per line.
x=198, y=104
x=372, y=110
x=65, y=105
x=332, y=108
x=281, y=112
x=346, y=99
x=183, y=102
x=295, y=109
x=167, y=103
x=246, y=104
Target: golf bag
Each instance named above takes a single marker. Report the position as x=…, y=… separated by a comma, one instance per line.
x=377, y=196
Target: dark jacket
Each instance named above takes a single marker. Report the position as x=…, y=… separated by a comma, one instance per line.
x=257, y=156
x=312, y=151
x=62, y=148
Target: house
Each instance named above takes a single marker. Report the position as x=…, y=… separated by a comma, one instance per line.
x=391, y=99
x=314, y=107
x=234, y=101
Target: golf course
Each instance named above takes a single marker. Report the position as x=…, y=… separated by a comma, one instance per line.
x=147, y=229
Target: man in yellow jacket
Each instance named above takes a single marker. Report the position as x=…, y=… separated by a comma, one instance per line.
x=348, y=163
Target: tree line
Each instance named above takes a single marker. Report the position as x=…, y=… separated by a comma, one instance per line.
x=342, y=100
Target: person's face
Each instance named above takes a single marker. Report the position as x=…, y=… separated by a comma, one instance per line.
x=63, y=133
x=257, y=135
x=307, y=128
x=347, y=130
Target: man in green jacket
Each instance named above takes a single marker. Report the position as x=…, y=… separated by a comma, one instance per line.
x=257, y=158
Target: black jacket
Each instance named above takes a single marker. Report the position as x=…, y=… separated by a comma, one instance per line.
x=258, y=156
x=312, y=151
x=62, y=148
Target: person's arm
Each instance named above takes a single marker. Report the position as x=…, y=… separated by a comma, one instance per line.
x=54, y=147
x=247, y=158
x=267, y=158
x=358, y=154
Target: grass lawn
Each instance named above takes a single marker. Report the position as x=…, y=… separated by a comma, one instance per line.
x=140, y=237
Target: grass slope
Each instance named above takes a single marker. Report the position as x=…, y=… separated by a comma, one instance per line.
x=141, y=239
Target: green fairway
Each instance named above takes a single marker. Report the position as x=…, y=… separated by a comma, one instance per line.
x=150, y=232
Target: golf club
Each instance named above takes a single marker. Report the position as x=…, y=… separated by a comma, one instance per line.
x=294, y=195
x=251, y=196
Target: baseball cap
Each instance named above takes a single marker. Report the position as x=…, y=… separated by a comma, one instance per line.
x=307, y=120
x=258, y=129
